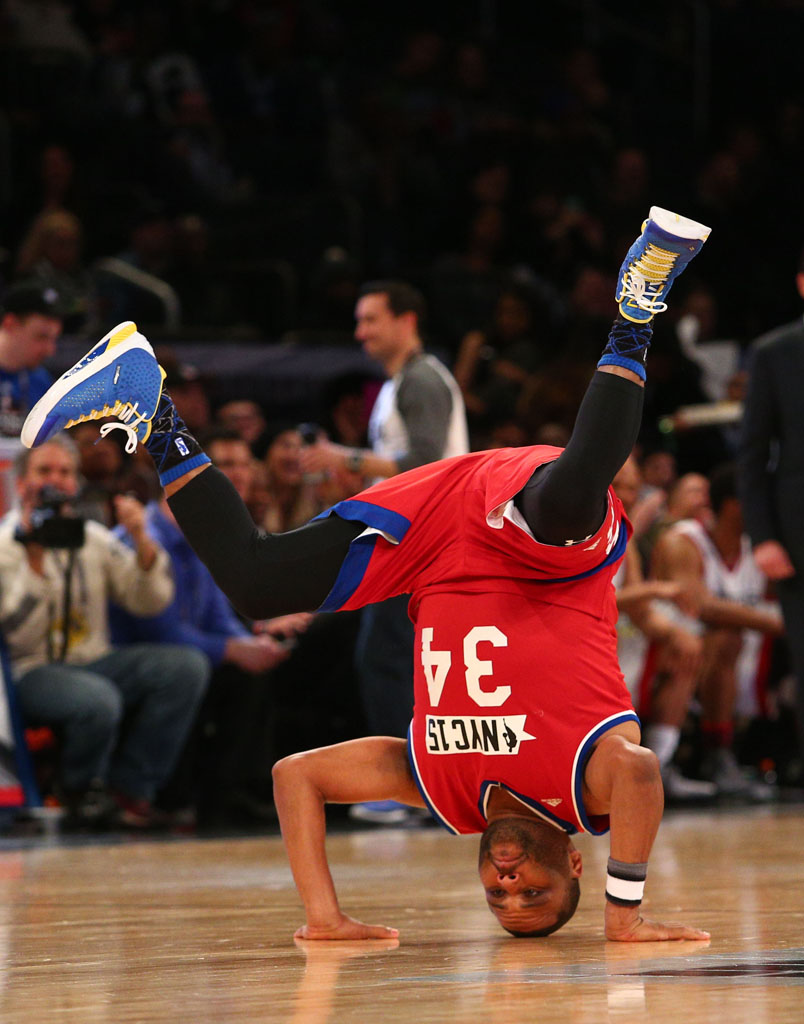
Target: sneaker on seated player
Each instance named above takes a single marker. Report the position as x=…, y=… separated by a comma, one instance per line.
x=118, y=377
x=664, y=248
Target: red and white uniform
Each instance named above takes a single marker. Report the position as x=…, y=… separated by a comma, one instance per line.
x=745, y=583
x=516, y=672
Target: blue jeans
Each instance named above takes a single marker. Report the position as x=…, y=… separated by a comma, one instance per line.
x=122, y=719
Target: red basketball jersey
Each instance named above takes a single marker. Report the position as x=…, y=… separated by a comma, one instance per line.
x=453, y=524
x=516, y=672
x=511, y=690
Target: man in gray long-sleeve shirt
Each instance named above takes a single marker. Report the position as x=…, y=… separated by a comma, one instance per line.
x=418, y=417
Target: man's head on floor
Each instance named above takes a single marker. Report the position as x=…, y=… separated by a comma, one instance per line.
x=529, y=870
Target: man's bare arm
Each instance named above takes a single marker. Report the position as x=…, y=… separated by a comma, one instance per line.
x=626, y=778
x=374, y=768
x=678, y=559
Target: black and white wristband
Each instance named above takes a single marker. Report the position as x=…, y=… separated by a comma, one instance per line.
x=625, y=883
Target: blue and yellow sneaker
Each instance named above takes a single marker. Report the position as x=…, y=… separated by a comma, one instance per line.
x=118, y=377
x=667, y=244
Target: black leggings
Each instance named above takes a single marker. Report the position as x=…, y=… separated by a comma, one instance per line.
x=264, y=576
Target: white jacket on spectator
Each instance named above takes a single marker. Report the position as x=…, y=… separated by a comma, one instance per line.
x=32, y=606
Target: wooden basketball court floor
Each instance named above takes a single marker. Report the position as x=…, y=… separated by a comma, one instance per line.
x=201, y=931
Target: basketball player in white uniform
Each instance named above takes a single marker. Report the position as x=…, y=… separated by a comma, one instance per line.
x=717, y=560
x=660, y=657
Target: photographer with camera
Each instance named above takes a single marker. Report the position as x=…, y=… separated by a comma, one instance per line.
x=57, y=576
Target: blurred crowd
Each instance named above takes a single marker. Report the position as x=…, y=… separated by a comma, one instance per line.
x=236, y=169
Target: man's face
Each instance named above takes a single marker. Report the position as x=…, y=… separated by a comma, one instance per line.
x=283, y=458
x=33, y=338
x=376, y=328
x=234, y=460
x=691, y=496
x=526, y=869
x=48, y=466
x=245, y=418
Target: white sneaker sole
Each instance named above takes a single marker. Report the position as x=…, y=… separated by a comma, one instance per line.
x=124, y=334
x=675, y=224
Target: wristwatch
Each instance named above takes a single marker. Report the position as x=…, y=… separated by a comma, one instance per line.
x=354, y=461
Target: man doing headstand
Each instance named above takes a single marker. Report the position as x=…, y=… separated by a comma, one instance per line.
x=523, y=730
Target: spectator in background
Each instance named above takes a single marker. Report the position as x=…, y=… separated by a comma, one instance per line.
x=660, y=657
x=51, y=255
x=200, y=280
x=772, y=481
x=190, y=388
x=345, y=405
x=293, y=496
x=465, y=285
x=232, y=455
x=718, y=358
x=627, y=191
x=232, y=768
x=333, y=293
x=30, y=326
x=107, y=471
x=126, y=295
x=715, y=562
x=418, y=417
x=244, y=417
x=493, y=365
x=659, y=471
x=687, y=498
x=197, y=161
x=54, y=185
x=122, y=715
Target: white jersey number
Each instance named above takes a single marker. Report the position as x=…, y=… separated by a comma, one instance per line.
x=437, y=664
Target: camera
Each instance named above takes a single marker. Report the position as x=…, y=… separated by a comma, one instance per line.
x=50, y=527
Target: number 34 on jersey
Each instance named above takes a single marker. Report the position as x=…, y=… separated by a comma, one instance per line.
x=473, y=733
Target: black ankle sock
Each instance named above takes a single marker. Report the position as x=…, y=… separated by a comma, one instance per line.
x=627, y=346
x=171, y=445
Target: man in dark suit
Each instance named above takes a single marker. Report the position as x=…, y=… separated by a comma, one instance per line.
x=771, y=459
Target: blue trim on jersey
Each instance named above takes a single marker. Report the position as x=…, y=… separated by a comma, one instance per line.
x=583, y=757
x=565, y=826
x=351, y=573
x=354, y=566
x=372, y=515
x=420, y=786
x=616, y=553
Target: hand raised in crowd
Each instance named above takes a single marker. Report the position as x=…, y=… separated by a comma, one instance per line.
x=284, y=627
x=254, y=654
x=774, y=560
x=323, y=456
x=130, y=514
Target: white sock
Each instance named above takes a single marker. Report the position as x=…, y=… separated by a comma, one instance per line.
x=663, y=741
